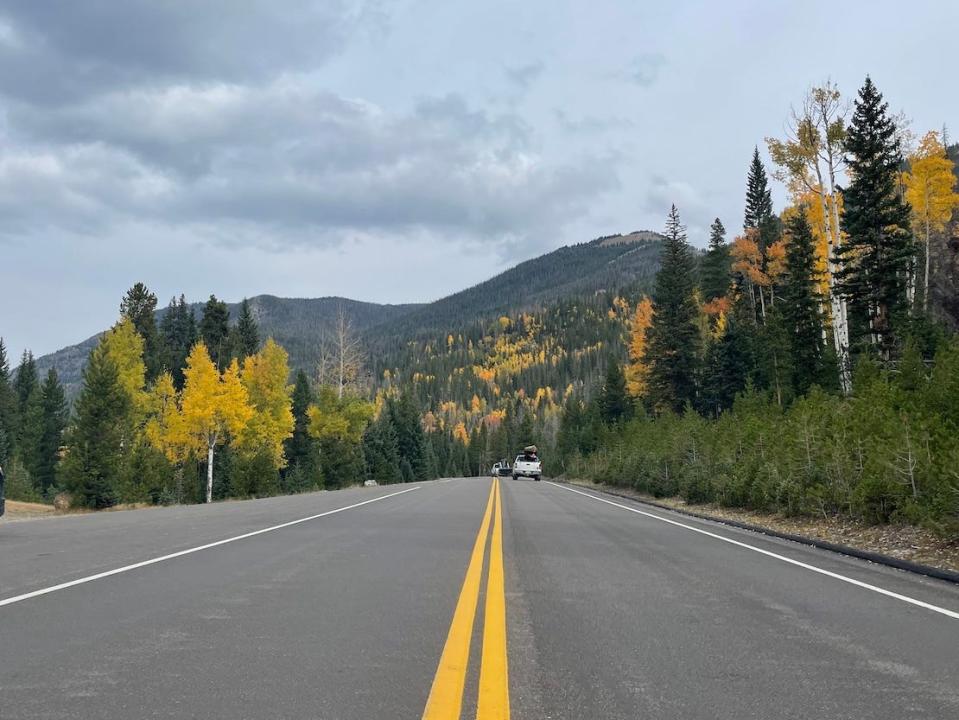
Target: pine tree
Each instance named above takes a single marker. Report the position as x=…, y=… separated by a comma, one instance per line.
x=246, y=333
x=54, y=415
x=759, y=218
x=759, y=203
x=26, y=381
x=410, y=438
x=381, y=450
x=729, y=363
x=801, y=306
x=876, y=257
x=8, y=406
x=613, y=400
x=139, y=305
x=178, y=329
x=301, y=450
x=215, y=331
x=94, y=460
x=715, y=275
x=674, y=337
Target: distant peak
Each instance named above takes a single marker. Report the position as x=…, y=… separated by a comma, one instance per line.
x=636, y=236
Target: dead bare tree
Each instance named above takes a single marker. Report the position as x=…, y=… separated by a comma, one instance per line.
x=342, y=360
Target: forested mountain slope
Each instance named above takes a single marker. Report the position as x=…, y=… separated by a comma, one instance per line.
x=606, y=264
x=391, y=333
x=299, y=324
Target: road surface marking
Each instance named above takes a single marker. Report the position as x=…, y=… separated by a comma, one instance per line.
x=827, y=573
x=446, y=696
x=153, y=561
x=494, y=676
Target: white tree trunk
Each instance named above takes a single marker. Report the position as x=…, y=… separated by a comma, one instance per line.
x=209, y=473
x=840, y=319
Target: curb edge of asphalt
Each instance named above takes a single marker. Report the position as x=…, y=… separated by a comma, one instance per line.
x=878, y=558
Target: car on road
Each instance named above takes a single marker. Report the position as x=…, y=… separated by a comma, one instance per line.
x=501, y=469
x=528, y=464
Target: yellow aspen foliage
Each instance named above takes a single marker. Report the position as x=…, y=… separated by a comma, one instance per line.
x=476, y=405
x=776, y=261
x=344, y=418
x=460, y=433
x=430, y=423
x=124, y=347
x=637, y=371
x=214, y=407
x=930, y=190
x=164, y=428
x=930, y=184
x=265, y=376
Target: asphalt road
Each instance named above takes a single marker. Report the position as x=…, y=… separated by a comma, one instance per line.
x=539, y=601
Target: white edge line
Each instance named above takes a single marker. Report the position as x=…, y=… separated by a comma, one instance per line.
x=189, y=551
x=827, y=573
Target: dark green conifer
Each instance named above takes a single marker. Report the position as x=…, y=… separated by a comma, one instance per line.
x=139, y=305
x=715, y=276
x=879, y=247
x=801, y=305
x=673, y=339
x=94, y=463
x=215, y=331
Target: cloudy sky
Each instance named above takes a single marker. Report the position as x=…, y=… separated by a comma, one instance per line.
x=393, y=151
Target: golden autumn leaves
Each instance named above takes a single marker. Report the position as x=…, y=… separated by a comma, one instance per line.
x=248, y=406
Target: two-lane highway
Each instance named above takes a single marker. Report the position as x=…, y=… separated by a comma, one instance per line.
x=460, y=598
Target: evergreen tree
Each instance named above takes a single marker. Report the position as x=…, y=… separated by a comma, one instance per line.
x=759, y=203
x=301, y=449
x=381, y=450
x=94, y=462
x=179, y=332
x=879, y=249
x=715, y=275
x=728, y=365
x=674, y=339
x=139, y=305
x=215, y=331
x=410, y=438
x=246, y=333
x=8, y=406
x=801, y=306
x=26, y=381
x=53, y=421
x=613, y=400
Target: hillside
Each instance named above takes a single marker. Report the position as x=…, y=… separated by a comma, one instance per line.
x=298, y=324
x=397, y=337
x=607, y=264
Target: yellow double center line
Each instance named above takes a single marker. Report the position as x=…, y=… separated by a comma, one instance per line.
x=446, y=697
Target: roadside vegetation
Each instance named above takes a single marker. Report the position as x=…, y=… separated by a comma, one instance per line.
x=806, y=367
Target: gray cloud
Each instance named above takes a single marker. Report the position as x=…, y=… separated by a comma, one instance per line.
x=525, y=75
x=645, y=68
x=53, y=52
x=291, y=159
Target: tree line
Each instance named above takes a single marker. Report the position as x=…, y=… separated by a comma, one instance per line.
x=799, y=367
x=189, y=410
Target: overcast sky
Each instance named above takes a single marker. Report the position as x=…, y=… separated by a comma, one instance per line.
x=394, y=151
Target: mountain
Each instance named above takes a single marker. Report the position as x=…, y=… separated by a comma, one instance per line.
x=571, y=279
x=606, y=264
x=298, y=324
